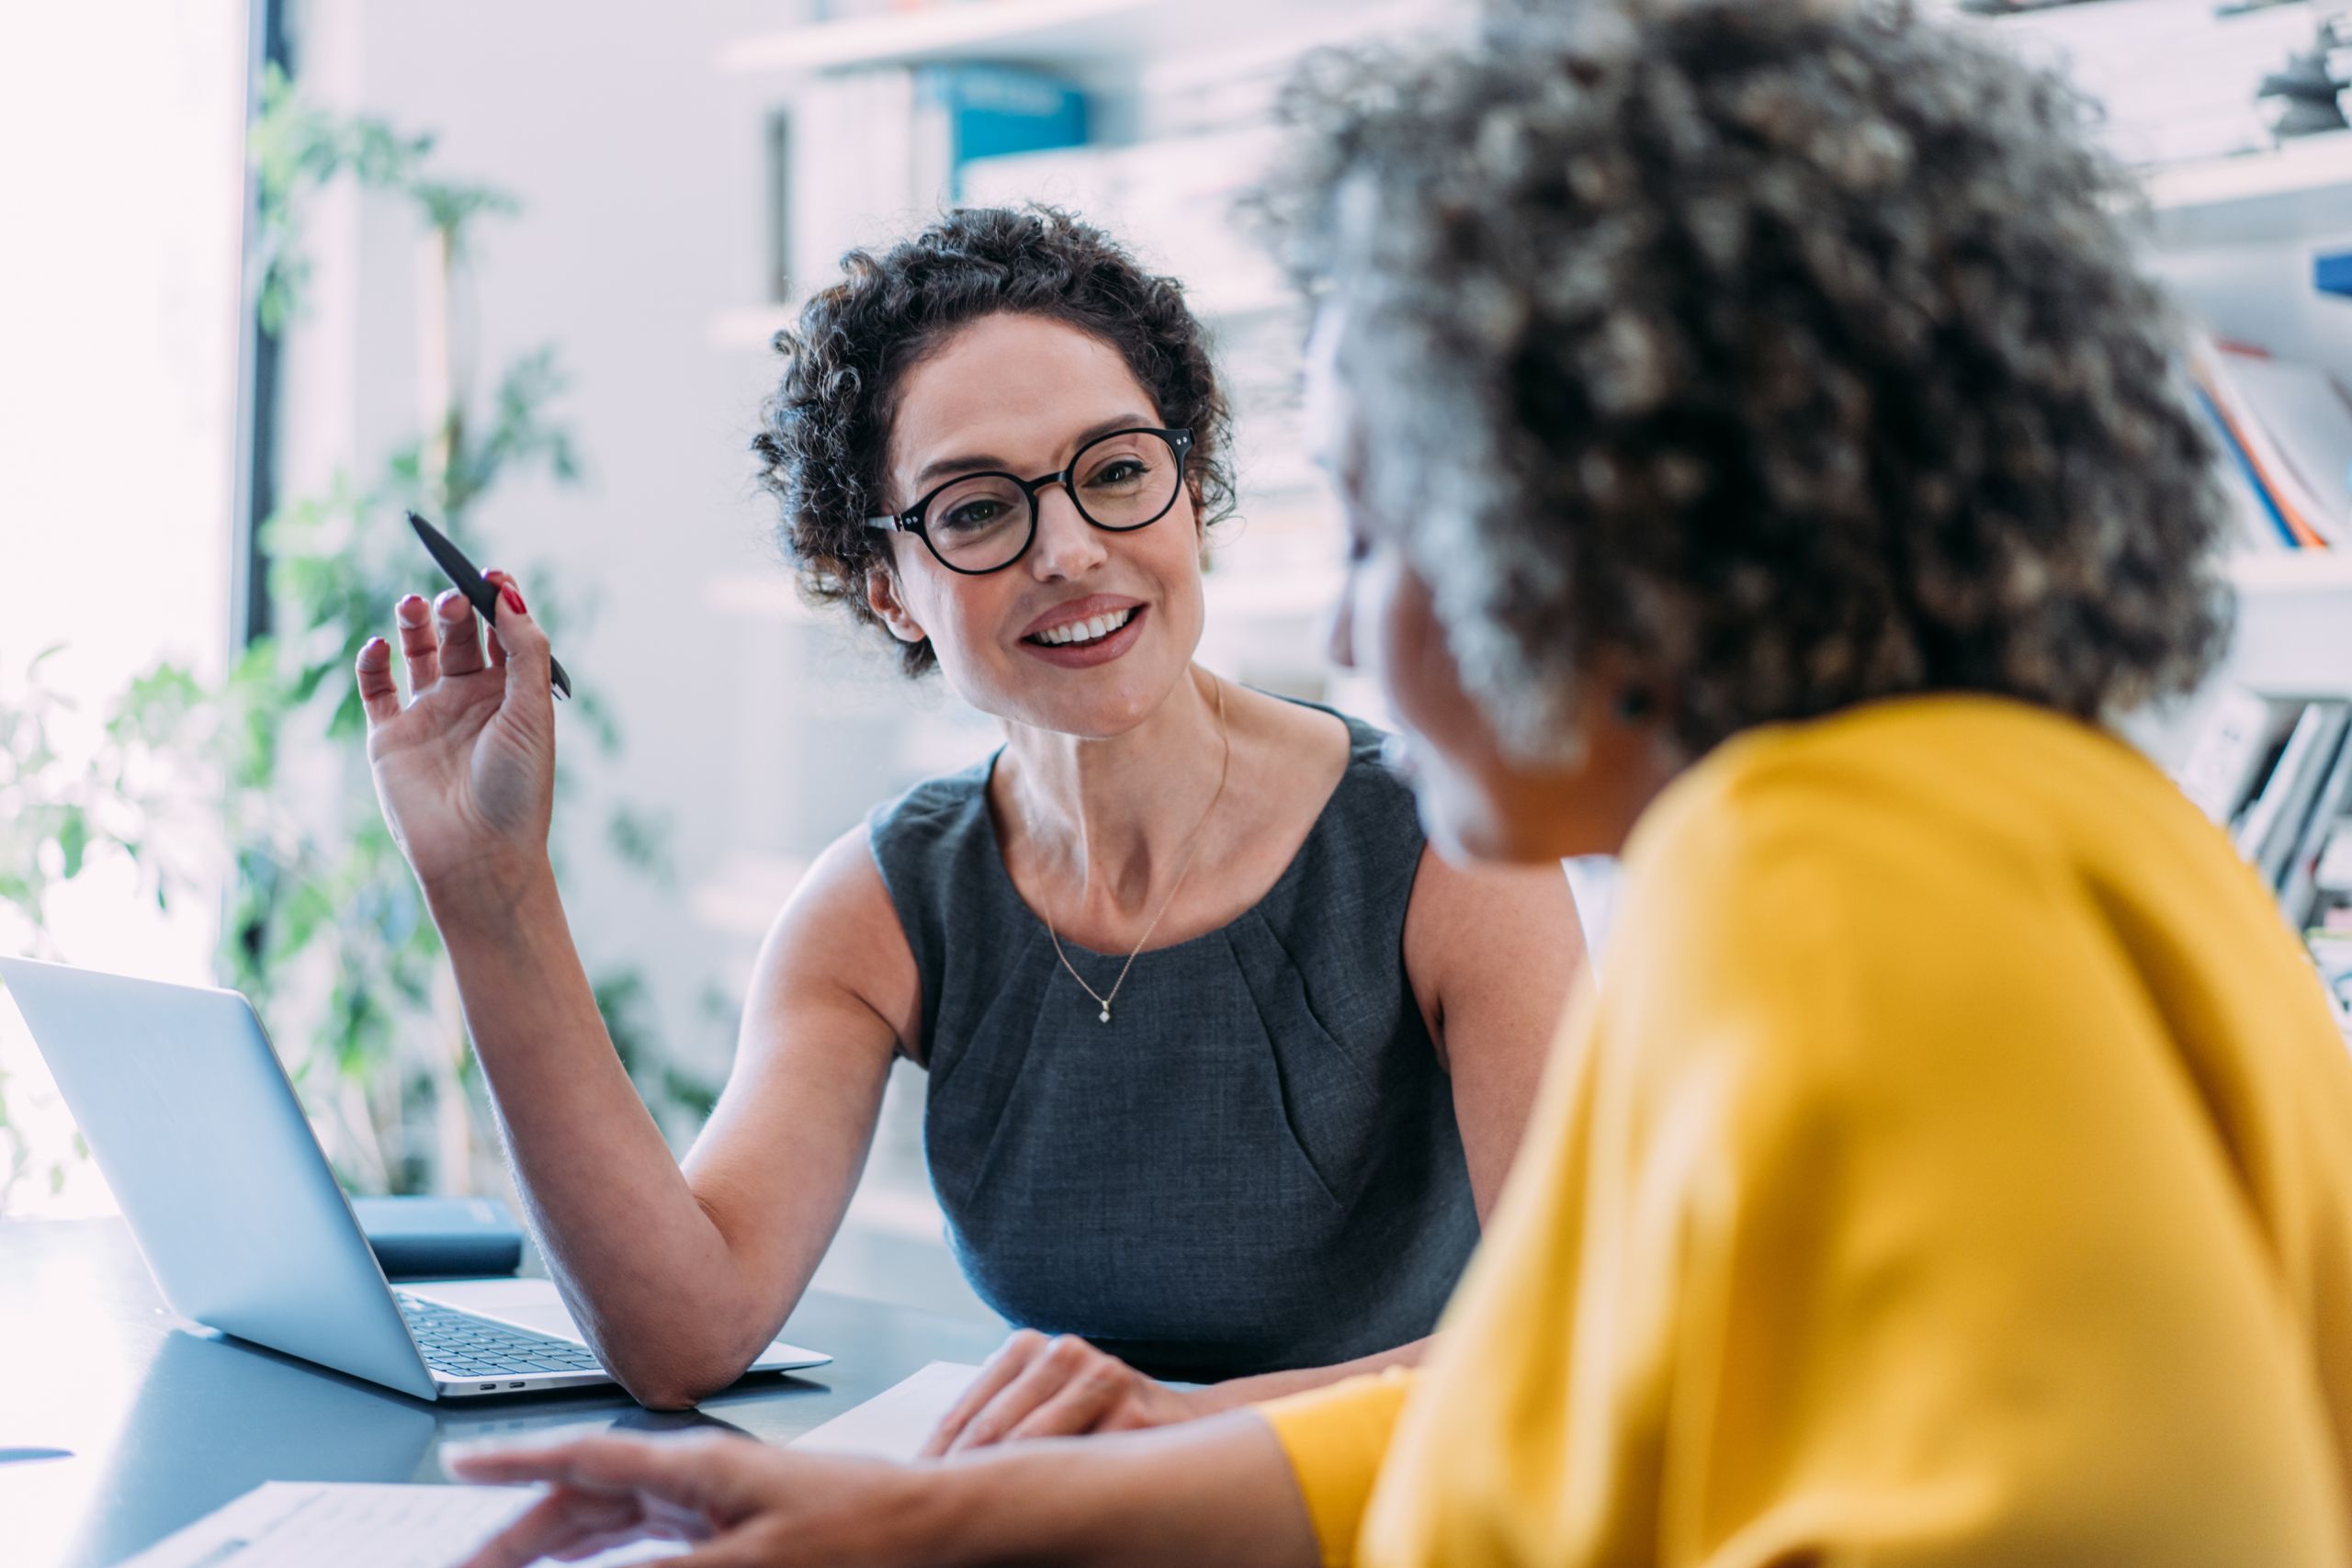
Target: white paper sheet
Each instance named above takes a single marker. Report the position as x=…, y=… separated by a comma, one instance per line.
x=894, y=1423
x=303, y=1524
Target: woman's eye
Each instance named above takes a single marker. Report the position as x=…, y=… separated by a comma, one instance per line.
x=973, y=514
x=1126, y=471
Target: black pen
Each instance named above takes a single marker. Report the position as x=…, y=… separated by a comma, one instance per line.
x=478, y=593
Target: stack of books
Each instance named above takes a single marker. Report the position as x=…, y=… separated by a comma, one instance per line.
x=2286, y=429
x=2277, y=774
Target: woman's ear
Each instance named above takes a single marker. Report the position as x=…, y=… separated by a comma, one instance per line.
x=882, y=598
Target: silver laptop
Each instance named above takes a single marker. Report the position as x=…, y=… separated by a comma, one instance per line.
x=192, y=1120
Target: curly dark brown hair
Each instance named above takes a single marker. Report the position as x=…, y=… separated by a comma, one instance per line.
x=825, y=432
x=1791, y=354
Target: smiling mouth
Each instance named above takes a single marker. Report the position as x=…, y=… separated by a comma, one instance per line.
x=1077, y=634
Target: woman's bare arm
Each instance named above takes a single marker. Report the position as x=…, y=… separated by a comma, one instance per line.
x=1492, y=951
x=677, y=1277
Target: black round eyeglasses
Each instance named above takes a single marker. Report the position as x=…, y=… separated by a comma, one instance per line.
x=977, y=523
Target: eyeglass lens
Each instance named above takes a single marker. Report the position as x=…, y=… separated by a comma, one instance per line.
x=1121, y=481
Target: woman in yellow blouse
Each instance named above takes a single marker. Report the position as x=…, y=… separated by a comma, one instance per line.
x=1751, y=424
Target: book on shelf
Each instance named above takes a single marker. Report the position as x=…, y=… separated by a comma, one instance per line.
x=2289, y=812
x=2275, y=818
x=965, y=113
x=2241, y=736
x=2286, y=427
x=2300, y=886
x=1172, y=199
x=870, y=156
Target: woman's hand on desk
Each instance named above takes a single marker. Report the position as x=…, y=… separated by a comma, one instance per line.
x=465, y=769
x=1040, y=1387
x=745, y=1502
x=1216, y=1490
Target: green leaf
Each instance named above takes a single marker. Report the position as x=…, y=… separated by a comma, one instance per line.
x=74, y=839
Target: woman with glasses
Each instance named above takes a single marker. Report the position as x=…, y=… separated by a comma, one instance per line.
x=1754, y=427
x=1224, y=1066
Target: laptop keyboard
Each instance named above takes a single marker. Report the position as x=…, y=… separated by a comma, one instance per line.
x=465, y=1346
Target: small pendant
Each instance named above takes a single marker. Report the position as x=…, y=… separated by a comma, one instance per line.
x=1106, y=1012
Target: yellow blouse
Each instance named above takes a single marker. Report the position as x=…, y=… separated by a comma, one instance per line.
x=1954, y=1168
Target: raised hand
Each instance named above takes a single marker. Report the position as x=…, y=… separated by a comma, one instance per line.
x=465, y=769
x=1058, y=1387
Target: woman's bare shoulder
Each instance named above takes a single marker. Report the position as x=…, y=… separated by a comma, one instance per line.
x=838, y=941
x=1302, y=749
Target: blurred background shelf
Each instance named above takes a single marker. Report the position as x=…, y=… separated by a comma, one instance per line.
x=2307, y=166
x=2294, y=624
x=1076, y=35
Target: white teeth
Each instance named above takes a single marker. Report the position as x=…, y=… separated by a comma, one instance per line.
x=1093, y=630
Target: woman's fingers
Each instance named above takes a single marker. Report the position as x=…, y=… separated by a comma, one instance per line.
x=560, y=1521
x=523, y=647
x=1011, y=1359
x=603, y=1485
x=1079, y=1405
x=379, y=696
x=1049, y=1372
x=414, y=618
x=691, y=1471
x=460, y=634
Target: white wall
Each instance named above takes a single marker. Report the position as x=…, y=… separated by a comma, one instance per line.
x=638, y=169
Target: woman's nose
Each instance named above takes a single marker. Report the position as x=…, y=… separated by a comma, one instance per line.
x=1067, y=546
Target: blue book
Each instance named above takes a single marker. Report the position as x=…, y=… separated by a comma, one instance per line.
x=440, y=1238
x=964, y=112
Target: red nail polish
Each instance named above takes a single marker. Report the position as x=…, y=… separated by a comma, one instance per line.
x=514, y=599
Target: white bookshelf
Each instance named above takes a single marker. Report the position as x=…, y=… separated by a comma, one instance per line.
x=2299, y=191
x=2296, y=170
x=2294, y=635
x=1030, y=31
x=1077, y=37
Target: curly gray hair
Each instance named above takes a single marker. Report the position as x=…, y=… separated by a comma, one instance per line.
x=1788, y=353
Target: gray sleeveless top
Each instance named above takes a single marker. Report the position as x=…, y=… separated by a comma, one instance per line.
x=1254, y=1166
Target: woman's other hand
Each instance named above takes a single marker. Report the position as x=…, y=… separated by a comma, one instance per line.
x=1058, y=1387
x=466, y=771
x=742, y=1502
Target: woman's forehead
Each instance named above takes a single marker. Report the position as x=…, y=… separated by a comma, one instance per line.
x=1009, y=384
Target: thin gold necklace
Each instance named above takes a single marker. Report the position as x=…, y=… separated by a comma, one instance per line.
x=1225, y=770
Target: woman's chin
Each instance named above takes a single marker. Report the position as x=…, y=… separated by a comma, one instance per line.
x=1108, y=701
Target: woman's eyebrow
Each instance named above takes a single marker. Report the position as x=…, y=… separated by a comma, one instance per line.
x=975, y=462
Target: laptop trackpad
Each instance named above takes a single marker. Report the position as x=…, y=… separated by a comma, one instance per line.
x=537, y=1304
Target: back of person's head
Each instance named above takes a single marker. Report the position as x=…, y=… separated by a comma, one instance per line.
x=824, y=438
x=1784, y=355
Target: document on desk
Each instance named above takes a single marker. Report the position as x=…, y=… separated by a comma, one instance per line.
x=894, y=1423
x=302, y=1524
